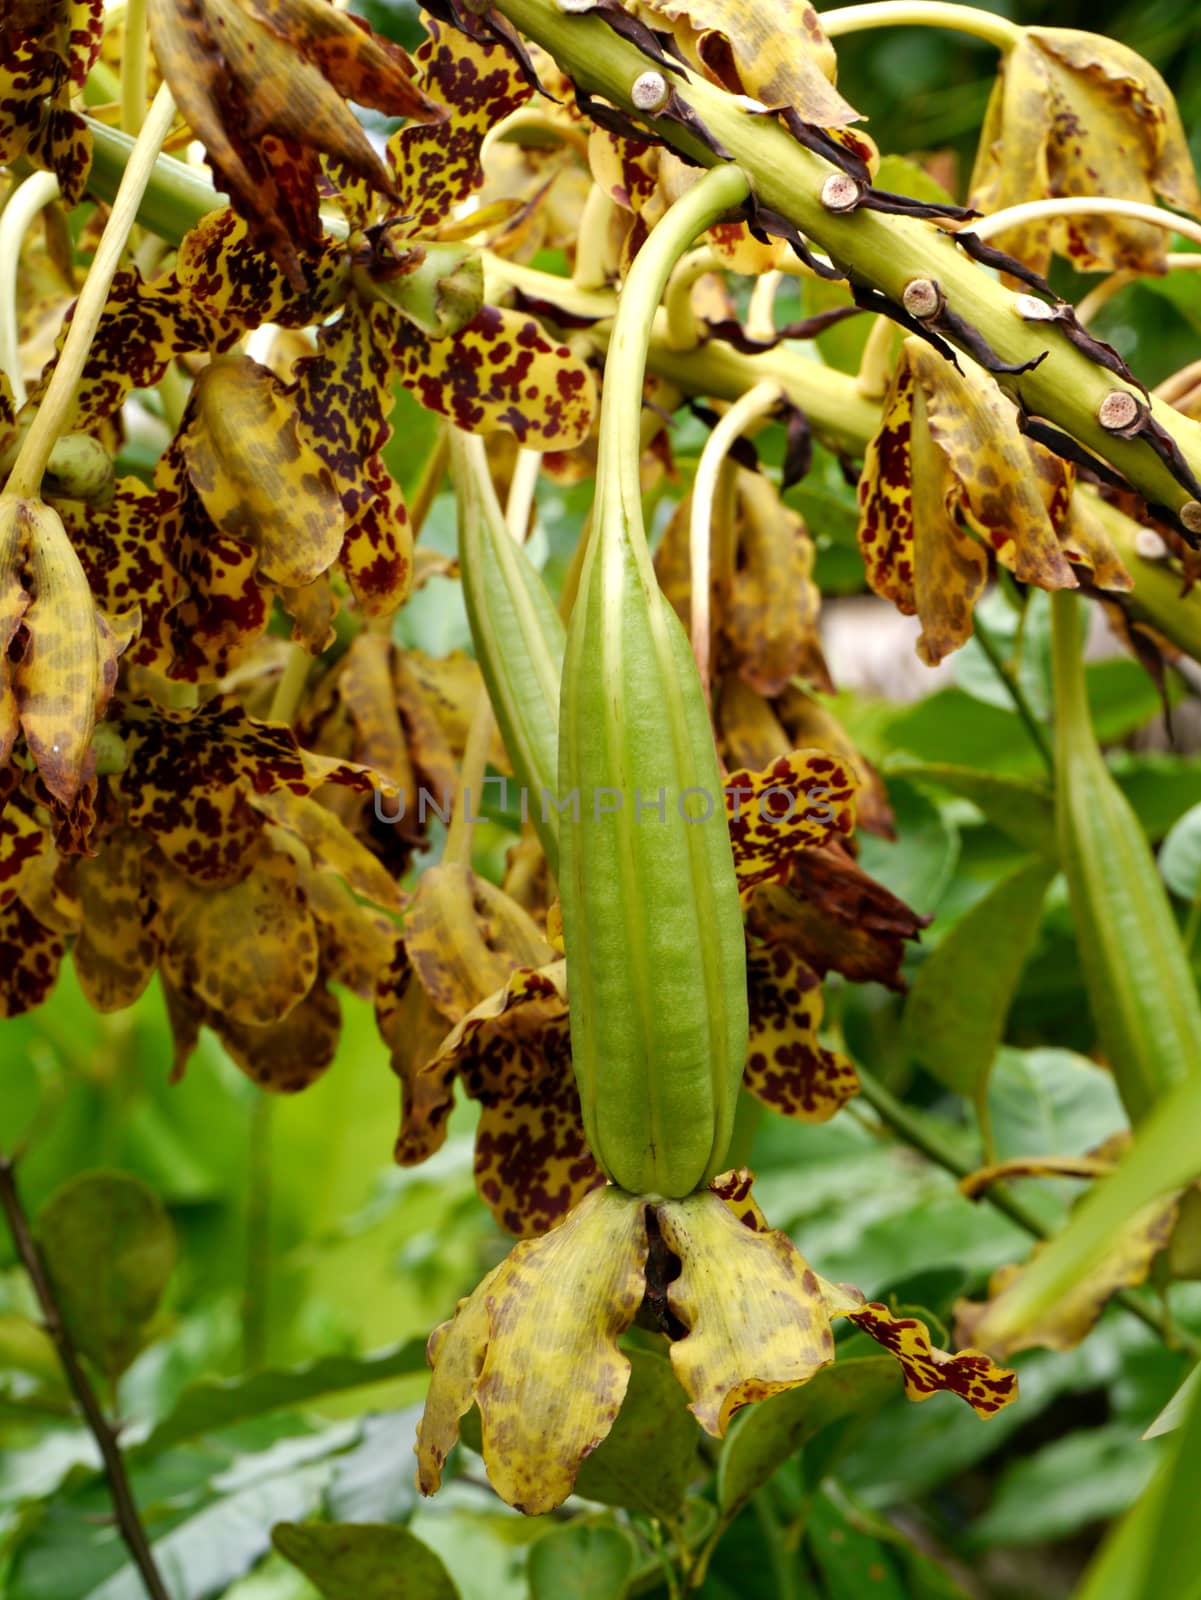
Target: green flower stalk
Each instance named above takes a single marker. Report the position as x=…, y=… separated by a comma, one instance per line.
x=656, y=977
x=656, y=966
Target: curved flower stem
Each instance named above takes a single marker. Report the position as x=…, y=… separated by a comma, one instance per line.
x=756, y=403
x=521, y=493
x=128, y=1521
x=134, y=45
x=921, y=14
x=682, y=330
x=920, y=1136
x=27, y=200
x=35, y=451
x=291, y=684
x=718, y=191
x=761, y=310
x=1092, y=205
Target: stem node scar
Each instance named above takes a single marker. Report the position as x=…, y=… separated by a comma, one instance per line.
x=649, y=92
x=1031, y=309
x=840, y=192
x=1190, y=515
x=922, y=298
x=1119, y=412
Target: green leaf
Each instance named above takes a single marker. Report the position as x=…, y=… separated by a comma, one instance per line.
x=1048, y=1101
x=364, y=1561
x=207, y=1510
x=1174, y=1537
x=218, y=1402
x=1173, y=1414
x=1180, y=856
x=955, y=1016
x=582, y=1561
x=109, y=1249
x=1020, y=807
x=919, y=865
x=766, y=1435
x=1068, y=1484
x=649, y=1457
x=1164, y=1156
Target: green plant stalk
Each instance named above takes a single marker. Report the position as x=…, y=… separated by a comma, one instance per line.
x=177, y=197
x=518, y=634
x=1141, y=990
x=882, y=251
x=656, y=963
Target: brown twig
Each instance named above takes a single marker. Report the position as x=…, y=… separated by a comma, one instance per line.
x=101, y=1429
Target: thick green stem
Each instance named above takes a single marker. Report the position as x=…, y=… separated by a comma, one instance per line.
x=881, y=251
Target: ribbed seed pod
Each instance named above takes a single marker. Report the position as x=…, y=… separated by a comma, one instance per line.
x=517, y=632
x=656, y=966
x=1140, y=989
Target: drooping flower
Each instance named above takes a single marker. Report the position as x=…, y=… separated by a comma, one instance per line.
x=1072, y=113
x=536, y=1345
x=947, y=483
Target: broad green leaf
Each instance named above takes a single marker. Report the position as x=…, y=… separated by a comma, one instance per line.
x=1164, y=1156
x=858, y=1553
x=1173, y=1565
x=1174, y=1413
x=208, y=1512
x=1180, y=856
x=364, y=1561
x=109, y=1249
x=1020, y=807
x=649, y=1457
x=219, y=1402
x=1051, y=1102
x=955, y=1017
x=766, y=1435
x=1071, y=1482
x=918, y=867
x=582, y=1561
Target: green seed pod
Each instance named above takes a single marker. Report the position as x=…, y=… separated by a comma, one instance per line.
x=517, y=632
x=1142, y=994
x=656, y=964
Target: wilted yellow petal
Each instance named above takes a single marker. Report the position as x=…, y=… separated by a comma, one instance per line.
x=755, y=1316
x=949, y=448
x=331, y=844
x=249, y=951
x=1076, y=114
x=779, y=54
x=464, y=937
x=536, y=1347
x=67, y=668
x=116, y=950
x=258, y=479
x=787, y=1067
x=1126, y=1265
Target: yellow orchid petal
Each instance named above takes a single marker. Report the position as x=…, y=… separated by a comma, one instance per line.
x=800, y=801
x=926, y=1370
x=536, y=1347
x=1125, y=1266
x=734, y=1189
x=756, y=1319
